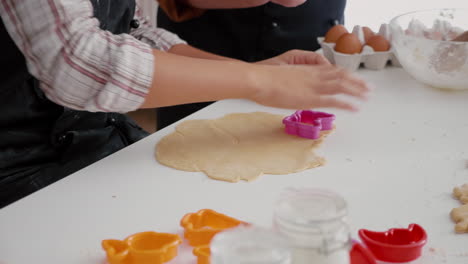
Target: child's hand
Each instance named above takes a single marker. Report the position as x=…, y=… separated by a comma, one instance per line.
x=305, y=87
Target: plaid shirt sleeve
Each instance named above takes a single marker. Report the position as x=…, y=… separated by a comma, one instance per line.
x=79, y=65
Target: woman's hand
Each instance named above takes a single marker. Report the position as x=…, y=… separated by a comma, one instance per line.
x=295, y=57
x=305, y=87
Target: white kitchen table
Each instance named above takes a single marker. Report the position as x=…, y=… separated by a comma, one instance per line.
x=395, y=162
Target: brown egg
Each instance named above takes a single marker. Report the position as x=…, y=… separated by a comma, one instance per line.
x=462, y=37
x=348, y=44
x=335, y=33
x=368, y=33
x=379, y=43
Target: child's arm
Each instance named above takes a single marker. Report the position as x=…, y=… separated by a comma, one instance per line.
x=180, y=79
x=83, y=67
x=189, y=51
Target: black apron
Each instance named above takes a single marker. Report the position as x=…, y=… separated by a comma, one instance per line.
x=252, y=34
x=42, y=142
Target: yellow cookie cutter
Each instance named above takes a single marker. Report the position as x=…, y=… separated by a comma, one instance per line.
x=142, y=248
x=203, y=254
x=202, y=226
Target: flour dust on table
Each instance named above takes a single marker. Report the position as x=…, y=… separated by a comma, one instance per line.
x=238, y=147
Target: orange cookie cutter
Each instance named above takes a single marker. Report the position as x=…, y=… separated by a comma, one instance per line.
x=142, y=248
x=203, y=254
x=202, y=226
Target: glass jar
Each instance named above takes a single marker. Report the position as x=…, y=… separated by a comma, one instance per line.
x=249, y=245
x=314, y=222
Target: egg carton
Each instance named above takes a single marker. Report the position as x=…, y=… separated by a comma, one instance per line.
x=368, y=57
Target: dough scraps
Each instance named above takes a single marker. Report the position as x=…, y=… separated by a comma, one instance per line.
x=461, y=193
x=460, y=216
x=238, y=147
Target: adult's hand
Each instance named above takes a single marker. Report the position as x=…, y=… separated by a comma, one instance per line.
x=296, y=57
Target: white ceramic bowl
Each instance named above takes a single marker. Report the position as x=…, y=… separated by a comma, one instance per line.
x=422, y=42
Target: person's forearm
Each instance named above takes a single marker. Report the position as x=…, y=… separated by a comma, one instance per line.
x=224, y=4
x=189, y=51
x=180, y=79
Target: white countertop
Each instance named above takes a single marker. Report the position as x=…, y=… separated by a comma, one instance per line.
x=396, y=162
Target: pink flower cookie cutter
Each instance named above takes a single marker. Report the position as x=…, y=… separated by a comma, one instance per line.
x=308, y=123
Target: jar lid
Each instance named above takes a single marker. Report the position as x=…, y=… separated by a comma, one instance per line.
x=307, y=206
x=249, y=245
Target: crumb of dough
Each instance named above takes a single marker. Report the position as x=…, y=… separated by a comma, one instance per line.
x=460, y=217
x=461, y=193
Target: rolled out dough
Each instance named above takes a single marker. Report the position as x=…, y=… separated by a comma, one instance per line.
x=238, y=147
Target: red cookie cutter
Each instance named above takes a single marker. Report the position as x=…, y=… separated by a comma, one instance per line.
x=359, y=254
x=308, y=123
x=397, y=244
